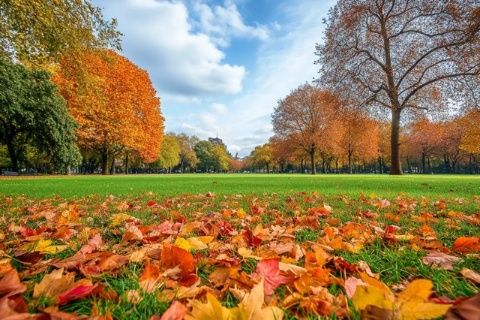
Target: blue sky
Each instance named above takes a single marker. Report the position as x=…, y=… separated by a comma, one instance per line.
x=220, y=66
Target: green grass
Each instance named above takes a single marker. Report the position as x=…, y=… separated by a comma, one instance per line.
x=437, y=186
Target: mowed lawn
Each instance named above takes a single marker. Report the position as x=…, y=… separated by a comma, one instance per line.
x=436, y=186
x=224, y=232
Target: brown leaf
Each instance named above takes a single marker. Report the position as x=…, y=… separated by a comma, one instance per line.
x=471, y=275
x=10, y=284
x=440, y=260
x=466, y=310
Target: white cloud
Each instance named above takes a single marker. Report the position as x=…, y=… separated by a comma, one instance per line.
x=219, y=108
x=182, y=64
x=222, y=23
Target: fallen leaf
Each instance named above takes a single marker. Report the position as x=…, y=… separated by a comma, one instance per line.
x=176, y=311
x=10, y=284
x=53, y=284
x=251, y=307
x=471, y=275
x=467, y=245
x=268, y=269
x=440, y=260
x=211, y=310
x=468, y=309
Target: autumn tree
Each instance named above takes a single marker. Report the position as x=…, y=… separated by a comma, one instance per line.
x=188, y=157
x=169, y=152
x=40, y=31
x=470, y=122
x=424, y=139
x=34, y=116
x=261, y=157
x=360, y=139
x=114, y=103
x=401, y=55
x=304, y=117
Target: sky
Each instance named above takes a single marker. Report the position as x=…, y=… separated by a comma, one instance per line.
x=220, y=66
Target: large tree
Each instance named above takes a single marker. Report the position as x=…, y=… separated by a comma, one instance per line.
x=114, y=103
x=305, y=118
x=40, y=31
x=32, y=113
x=401, y=55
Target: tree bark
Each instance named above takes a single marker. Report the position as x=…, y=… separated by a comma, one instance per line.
x=112, y=165
x=350, y=162
x=104, y=159
x=396, y=168
x=12, y=152
x=312, y=160
x=423, y=162
x=126, y=163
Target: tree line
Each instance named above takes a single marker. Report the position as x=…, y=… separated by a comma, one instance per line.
x=314, y=132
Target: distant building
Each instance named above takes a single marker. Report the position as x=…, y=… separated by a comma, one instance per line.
x=217, y=141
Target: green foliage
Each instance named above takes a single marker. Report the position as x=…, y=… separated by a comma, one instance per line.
x=261, y=157
x=42, y=30
x=211, y=157
x=33, y=114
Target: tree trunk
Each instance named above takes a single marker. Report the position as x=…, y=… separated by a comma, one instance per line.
x=126, y=163
x=112, y=165
x=350, y=162
x=423, y=162
x=312, y=160
x=12, y=153
x=104, y=161
x=268, y=168
x=396, y=168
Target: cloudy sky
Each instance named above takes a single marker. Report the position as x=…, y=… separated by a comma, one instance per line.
x=219, y=66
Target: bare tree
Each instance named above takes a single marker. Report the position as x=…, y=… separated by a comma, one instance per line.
x=401, y=55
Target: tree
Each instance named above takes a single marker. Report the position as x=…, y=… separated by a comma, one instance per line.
x=41, y=31
x=33, y=113
x=114, y=103
x=211, y=157
x=424, y=139
x=188, y=157
x=360, y=139
x=304, y=117
x=401, y=55
x=169, y=152
x=262, y=157
x=470, y=141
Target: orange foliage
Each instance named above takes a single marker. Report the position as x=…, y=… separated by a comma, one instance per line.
x=113, y=102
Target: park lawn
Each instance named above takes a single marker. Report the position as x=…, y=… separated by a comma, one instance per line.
x=135, y=213
x=437, y=186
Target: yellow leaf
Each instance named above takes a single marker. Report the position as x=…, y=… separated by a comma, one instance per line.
x=370, y=295
x=53, y=284
x=414, y=310
x=211, y=310
x=199, y=243
x=45, y=246
x=417, y=290
x=378, y=284
x=183, y=243
x=241, y=213
x=251, y=307
x=119, y=218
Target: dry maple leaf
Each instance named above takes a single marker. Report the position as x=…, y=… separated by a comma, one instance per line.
x=440, y=260
x=211, y=310
x=467, y=245
x=54, y=284
x=10, y=284
x=150, y=279
x=176, y=311
x=471, y=275
x=410, y=304
x=268, y=270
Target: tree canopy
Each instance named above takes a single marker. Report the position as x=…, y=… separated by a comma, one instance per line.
x=40, y=31
x=408, y=55
x=34, y=114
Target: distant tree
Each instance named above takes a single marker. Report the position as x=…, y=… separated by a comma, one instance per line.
x=401, y=55
x=235, y=164
x=40, y=31
x=114, y=103
x=424, y=140
x=470, y=141
x=188, y=157
x=262, y=157
x=169, y=152
x=304, y=118
x=33, y=113
x=360, y=138
x=211, y=157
